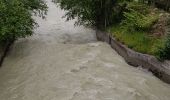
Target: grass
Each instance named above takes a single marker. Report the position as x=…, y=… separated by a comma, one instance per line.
x=134, y=30
x=139, y=41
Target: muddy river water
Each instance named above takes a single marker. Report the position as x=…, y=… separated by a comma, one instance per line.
x=64, y=62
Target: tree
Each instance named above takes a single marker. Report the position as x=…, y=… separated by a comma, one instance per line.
x=16, y=18
x=93, y=12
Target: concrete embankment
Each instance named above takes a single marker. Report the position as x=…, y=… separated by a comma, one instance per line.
x=159, y=69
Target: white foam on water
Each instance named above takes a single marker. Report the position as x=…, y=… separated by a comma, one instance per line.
x=64, y=62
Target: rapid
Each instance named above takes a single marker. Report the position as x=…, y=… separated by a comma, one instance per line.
x=66, y=62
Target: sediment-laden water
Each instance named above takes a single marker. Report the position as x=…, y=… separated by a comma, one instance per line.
x=63, y=62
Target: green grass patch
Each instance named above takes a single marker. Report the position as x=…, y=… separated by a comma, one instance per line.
x=139, y=41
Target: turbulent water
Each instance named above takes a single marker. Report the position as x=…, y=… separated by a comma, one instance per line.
x=63, y=62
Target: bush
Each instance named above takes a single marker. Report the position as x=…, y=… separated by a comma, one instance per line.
x=133, y=30
x=138, y=21
x=15, y=18
x=139, y=7
x=164, y=50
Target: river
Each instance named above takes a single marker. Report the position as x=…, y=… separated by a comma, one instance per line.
x=64, y=62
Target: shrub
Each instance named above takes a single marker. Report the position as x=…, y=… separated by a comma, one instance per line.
x=139, y=7
x=138, y=21
x=163, y=51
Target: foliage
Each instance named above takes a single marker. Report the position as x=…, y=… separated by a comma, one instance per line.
x=134, y=29
x=162, y=4
x=139, y=19
x=164, y=50
x=130, y=21
x=139, y=7
x=15, y=18
x=136, y=40
x=37, y=6
x=93, y=12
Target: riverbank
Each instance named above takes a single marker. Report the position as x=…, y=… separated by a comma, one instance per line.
x=4, y=50
x=144, y=29
x=159, y=69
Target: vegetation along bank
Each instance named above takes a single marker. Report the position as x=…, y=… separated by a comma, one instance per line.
x=142, y=26
x=16, y=20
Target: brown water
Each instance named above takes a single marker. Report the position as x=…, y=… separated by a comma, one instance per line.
x=63, y=62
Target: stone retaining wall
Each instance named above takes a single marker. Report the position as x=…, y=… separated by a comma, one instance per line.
x=159, y=69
